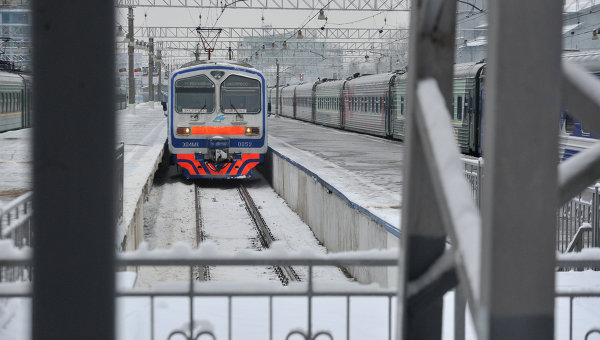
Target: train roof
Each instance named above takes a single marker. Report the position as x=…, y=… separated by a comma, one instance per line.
x=590, y=60
x=467, y=70
x=337, y=83
x=218, y=63
x=372, y=79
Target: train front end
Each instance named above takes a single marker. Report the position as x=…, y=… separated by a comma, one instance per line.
x=217, y=126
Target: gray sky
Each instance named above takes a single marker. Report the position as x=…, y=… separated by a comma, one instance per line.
x=187, y=17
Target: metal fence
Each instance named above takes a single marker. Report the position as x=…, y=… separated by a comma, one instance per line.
x=577, y=222
x=15, y=225
x=15, y=221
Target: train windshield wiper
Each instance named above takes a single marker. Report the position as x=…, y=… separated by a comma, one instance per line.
x=239, y=115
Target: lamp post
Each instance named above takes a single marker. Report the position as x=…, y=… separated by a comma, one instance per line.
x=151, y=71
x=159, y=89
x=130, y=50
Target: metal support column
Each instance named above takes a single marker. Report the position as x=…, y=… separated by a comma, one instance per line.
x=151, y=71
x=130, y=55
x=159, y=96
x=517, y=286
x=73, y=172
x=424, y=239
x=277, y=90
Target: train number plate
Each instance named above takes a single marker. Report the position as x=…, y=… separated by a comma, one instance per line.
x=218, y=143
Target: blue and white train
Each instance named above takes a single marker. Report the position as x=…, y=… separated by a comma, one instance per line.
x=217, y=125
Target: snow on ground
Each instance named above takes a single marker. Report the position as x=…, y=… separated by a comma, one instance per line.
x=226, y=222
x=169, y=217
x=287, y=227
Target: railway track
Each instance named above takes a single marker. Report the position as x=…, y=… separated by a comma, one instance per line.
x=230, y=218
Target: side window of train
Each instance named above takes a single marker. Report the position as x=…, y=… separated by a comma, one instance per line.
x=402, y=106
x=569, y=124
x=584, y=130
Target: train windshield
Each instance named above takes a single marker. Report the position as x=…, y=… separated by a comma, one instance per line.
x=240, y=95
x=195, y=95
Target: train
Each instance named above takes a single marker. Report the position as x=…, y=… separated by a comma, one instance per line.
x=15, y=101
x=375, y=104
x=217, y=126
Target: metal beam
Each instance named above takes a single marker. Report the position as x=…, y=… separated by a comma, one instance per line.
x=276, y=33
x=520, y=148
x=431, y=54
x=346, y=5
x=73, y=172
x=346, y=46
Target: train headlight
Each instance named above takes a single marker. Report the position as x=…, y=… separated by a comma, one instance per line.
x=183, y=131
x=252, y=131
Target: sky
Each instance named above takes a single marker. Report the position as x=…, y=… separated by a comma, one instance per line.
x=231, y=17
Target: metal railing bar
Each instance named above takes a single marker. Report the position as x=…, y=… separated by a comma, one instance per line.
x=577, y=242
x=389, y=318
x=458, y=211
x=16, y=224
x=255, y=262
x=270, y=318
x=348, y=318
x=152, y=318
x=230, y=321
x=309, y=293
x=576, y=173
x=571, y=318
x=26, y=197
x=577, y=293
x=191, y=298
x=441, y=267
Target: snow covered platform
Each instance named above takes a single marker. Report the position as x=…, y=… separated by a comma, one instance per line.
x=346, y=186
x=143, y=133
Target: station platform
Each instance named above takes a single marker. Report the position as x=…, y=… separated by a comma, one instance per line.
x=143, y=134
x=366, y=169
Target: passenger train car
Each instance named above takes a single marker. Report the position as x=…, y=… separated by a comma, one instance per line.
x=216, y=119
x=15, y=101
x=376, y=105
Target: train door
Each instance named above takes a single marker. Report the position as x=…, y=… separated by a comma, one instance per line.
x=478, y=115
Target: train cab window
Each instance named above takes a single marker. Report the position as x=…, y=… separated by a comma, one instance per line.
x=569, y=124
x=241, y=95
x=584, y=130
x=195, y=95
x=459, y=107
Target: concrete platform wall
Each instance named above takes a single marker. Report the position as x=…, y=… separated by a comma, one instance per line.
x=337, y=222
x=134, y=224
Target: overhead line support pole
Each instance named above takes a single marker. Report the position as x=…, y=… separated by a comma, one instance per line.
x=151, y=71
x=130, y=56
